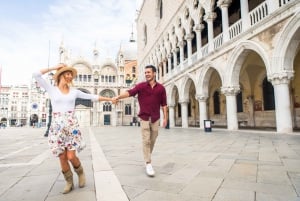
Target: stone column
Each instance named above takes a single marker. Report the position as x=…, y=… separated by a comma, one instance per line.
x=172, y=116
x=209, y=18
x=184, y=114
x=189, y=47
x=94, y=112
x=181, y=44
x=175, y=58
x=230, y=93
x=169, y=63
x=225, y=24
x=245, y=14
x=198, y=28
x=202, y=109
x=284, y=123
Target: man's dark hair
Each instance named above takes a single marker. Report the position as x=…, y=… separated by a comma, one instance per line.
x=152, y=67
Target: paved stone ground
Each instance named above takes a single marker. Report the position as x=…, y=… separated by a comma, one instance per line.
x=29, y=172
x=193, y=165
x=190, y=165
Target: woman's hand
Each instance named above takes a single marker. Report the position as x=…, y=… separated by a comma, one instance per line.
x=59, y=66
x=114, y=100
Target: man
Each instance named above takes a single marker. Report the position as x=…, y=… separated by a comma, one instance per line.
x=151, y=96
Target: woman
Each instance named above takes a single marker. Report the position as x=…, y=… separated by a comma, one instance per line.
x=64, y=137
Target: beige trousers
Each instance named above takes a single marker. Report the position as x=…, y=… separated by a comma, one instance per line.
x=149, y=135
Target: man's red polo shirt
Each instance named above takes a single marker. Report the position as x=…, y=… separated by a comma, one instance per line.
x=150, y=100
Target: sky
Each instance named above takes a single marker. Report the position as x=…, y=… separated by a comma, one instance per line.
x=31, y=32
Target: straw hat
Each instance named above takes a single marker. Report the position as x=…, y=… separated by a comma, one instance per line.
x=62, y=70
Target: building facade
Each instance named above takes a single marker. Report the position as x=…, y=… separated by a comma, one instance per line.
x=22, y=105
x=235, y=62
x=106, y=77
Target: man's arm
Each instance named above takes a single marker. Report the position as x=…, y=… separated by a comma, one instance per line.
x=165, y=112
x=122, y=95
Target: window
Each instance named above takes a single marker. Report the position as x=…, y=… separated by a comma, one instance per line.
x=107, y=107
x=127, y=109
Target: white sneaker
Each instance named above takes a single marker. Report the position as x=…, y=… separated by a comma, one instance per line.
x=149, y=170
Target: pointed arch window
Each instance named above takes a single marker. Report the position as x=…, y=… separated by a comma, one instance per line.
x=107, y=107
x=127, y=109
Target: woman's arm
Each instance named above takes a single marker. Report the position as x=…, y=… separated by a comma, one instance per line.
x=47, y=70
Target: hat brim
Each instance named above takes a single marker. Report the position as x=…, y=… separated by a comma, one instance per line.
x=64, y=69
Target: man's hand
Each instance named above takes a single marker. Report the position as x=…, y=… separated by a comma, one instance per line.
x=165, y=121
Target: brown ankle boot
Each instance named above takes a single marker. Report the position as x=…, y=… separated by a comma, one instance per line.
x=69, y=181
x=81, y=176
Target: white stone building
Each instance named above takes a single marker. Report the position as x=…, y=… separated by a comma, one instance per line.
x=22, y=105
x=106, y=77
x=235, y=62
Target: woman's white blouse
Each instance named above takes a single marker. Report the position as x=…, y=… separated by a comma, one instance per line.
x=62, y=102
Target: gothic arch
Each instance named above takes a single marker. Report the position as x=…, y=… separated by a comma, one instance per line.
x=204, y=78
x=172, y=95
x=288, y=42
x=186, y=84
x=82, y=62
x=237, y=58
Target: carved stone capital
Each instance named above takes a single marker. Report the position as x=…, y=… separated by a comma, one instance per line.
x=224, y=3
x=198, y=27
x=230, y=90
x=210, y=16
x=201, y=98
x=181, y=43
x=184, y=101
x=189, y=37
x=171, y=105
x=281, y=78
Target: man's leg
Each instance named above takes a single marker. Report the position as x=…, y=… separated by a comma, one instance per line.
x=153, y=134
x=145, y=128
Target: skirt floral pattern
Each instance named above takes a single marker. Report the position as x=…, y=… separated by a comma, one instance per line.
x=64, y=133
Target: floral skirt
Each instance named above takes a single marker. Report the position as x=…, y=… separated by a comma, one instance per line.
x=64, y=133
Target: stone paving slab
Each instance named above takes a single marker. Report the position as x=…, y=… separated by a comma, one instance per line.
x=193, y=165
x=190, y=165
x=29, y=172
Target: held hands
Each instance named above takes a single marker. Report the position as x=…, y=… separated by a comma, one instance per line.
x=114, y=100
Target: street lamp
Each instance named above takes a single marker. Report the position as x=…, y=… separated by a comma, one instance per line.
x=50, y=108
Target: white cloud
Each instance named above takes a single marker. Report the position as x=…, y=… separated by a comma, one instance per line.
x=24, y=44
